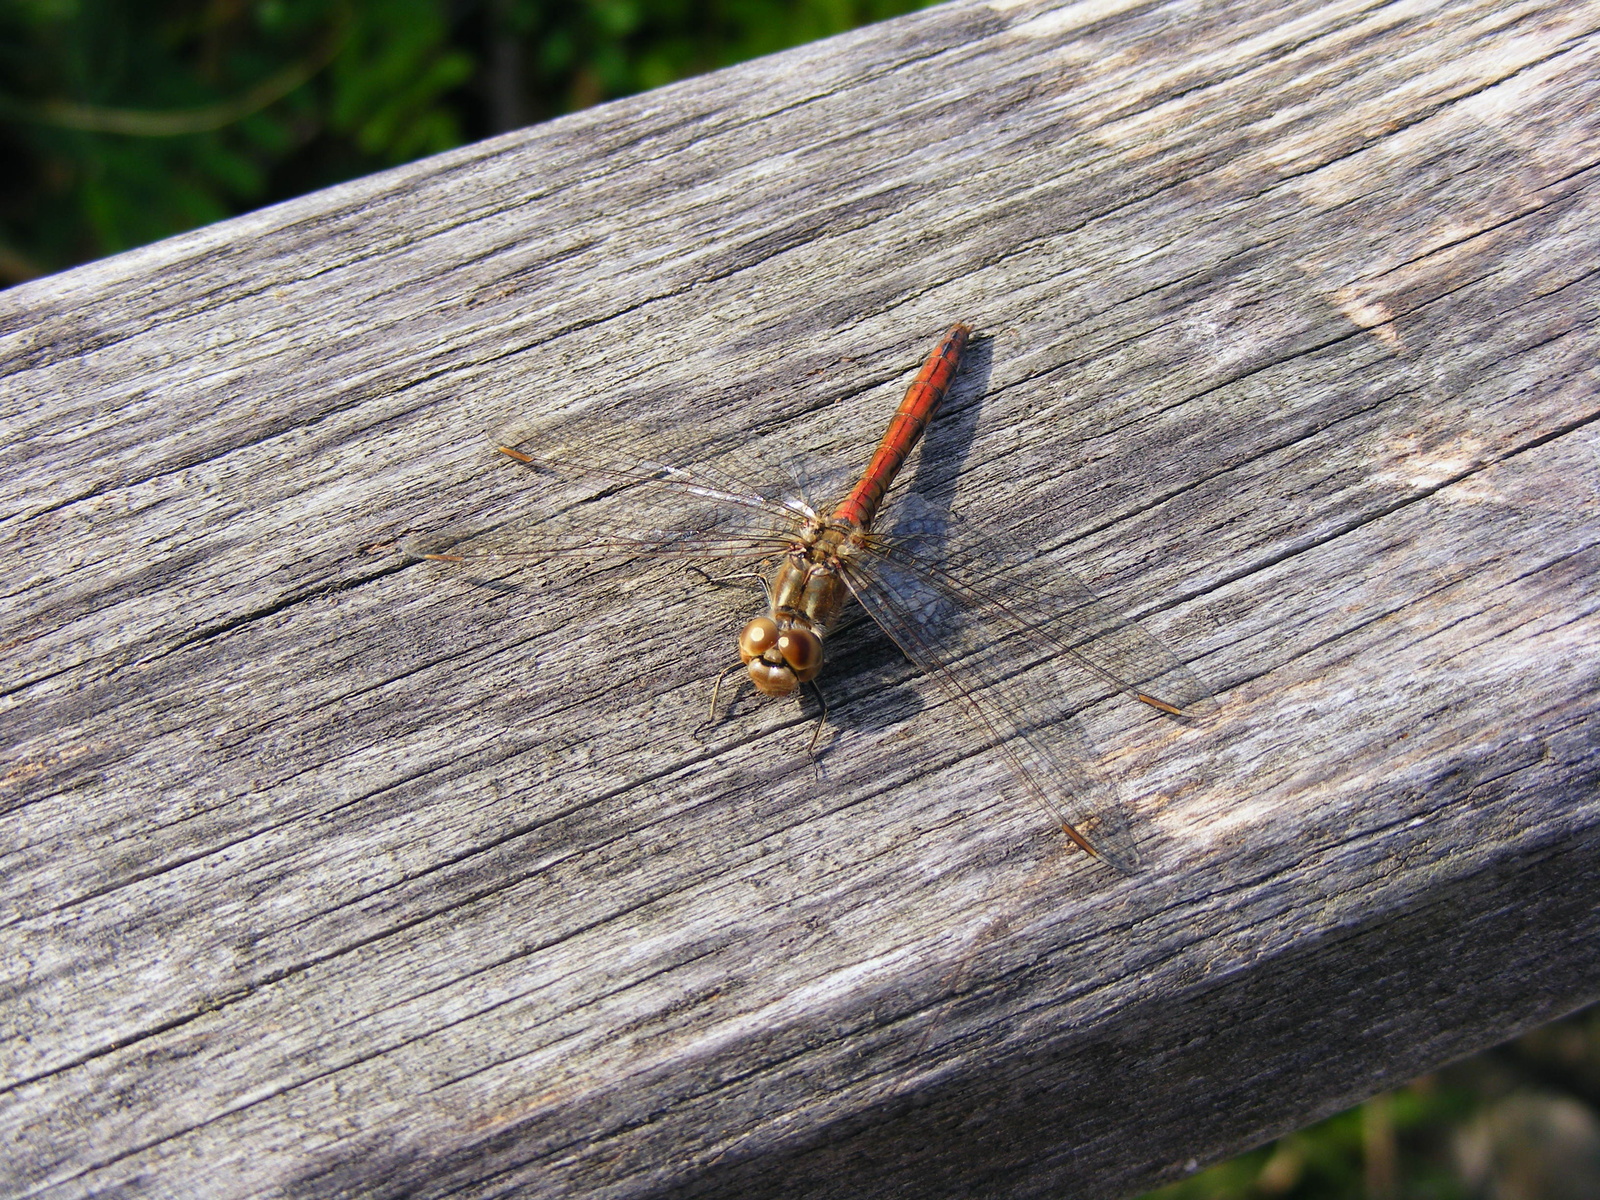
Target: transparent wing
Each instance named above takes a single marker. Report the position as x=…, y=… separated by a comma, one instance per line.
x=601, y=498
x=988, y=571
x=1021, y=664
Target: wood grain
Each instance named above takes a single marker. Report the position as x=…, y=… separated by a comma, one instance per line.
x=330, y=873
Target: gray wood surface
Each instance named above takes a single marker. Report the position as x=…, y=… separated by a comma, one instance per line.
x=330, y=873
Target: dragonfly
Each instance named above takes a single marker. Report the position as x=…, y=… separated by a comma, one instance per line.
x=1017, y=657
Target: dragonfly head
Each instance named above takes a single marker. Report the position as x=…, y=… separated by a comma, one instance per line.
x=780, y=659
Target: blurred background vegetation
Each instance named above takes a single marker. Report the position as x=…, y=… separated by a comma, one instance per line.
x=123, y=121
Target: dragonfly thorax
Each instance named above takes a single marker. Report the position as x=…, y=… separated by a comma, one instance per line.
x=784, y=649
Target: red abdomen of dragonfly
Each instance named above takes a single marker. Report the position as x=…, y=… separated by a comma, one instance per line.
x=922, y=401
x=784, y=649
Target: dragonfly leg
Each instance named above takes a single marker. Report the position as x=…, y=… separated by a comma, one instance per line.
x=811, y=746
x=711, y=716
x=740, y=580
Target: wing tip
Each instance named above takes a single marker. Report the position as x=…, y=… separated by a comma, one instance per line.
x=1194, y=710
x=1123, y=864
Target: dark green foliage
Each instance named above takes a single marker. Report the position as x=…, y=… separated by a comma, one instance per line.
x=122, y=121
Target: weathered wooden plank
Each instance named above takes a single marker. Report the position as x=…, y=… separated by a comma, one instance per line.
x=329, y=873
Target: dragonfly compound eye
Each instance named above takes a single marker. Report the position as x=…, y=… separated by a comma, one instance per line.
x=802, y=650
x=758, y=637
